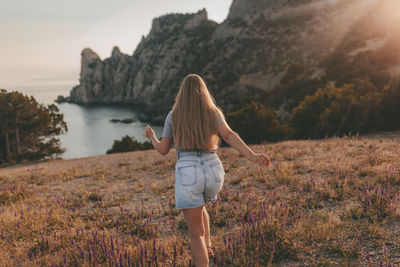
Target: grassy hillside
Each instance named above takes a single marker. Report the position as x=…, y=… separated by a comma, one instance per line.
x=332, y=202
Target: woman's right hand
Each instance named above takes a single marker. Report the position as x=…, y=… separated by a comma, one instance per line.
x=149, y=133
x=261, y=159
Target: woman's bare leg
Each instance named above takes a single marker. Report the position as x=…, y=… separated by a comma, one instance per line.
x=206, y=222
x=194, y=221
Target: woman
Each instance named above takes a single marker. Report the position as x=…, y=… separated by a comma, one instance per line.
x=194, y=124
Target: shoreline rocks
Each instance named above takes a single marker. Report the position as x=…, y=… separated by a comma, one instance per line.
x=126, y=120
x=62, y=99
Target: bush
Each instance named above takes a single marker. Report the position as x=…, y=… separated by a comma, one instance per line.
x=128, y=143
x=389, y=110
x=315, y=116
x=358, y=107
x=256, y=123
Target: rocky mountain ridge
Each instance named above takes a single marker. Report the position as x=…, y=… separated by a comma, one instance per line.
x=262, y=47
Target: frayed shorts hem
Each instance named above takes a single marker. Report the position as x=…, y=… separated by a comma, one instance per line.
x=188, y=206
x=211, y=200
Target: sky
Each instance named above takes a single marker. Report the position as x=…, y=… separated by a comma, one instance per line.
x=41, y=40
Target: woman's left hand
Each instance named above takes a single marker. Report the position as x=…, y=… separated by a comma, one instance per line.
x=148, y=132
x=261, y=159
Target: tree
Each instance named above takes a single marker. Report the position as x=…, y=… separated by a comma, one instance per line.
x=256, y=123
x=28, y=129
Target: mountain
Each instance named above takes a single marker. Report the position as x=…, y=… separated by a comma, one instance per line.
x=274, y=50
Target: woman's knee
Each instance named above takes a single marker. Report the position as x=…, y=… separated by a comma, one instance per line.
x=197, y=232
x=196, y=229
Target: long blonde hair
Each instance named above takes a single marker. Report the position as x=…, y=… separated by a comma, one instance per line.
x=194, y=116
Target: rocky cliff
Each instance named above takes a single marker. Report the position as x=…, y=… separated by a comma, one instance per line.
x=263, y=47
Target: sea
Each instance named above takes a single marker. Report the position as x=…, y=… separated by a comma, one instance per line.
x=90, y=131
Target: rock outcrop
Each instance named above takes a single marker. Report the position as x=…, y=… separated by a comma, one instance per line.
x=102, y=81
x=260, y=47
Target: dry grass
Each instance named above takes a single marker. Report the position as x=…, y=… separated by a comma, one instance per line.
x=332, y=202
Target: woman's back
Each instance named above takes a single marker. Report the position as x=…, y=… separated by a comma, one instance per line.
x=213, y=140
x=194, y=117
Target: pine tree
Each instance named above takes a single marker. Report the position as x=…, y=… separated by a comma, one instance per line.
x=28, y=129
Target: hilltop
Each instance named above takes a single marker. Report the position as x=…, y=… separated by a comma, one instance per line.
x=330, y=202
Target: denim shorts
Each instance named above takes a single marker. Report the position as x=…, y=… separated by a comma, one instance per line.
x=199, y=177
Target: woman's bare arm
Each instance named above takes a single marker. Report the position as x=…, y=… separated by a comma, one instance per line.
x=162, y=146
x=237, y=143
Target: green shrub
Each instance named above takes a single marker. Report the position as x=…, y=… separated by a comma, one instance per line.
x=358, y=107
x=389, y=110
x=128, y=143
x=324, y=112
x=256, y=123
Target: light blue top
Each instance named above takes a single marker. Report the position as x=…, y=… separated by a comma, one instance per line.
x=167, y=132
